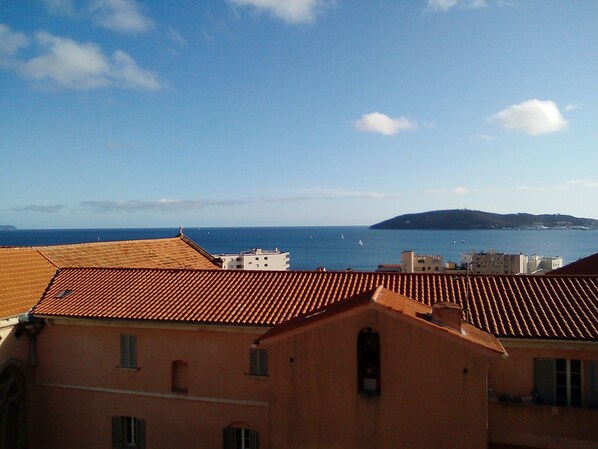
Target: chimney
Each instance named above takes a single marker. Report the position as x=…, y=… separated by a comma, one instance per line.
x=447, y=314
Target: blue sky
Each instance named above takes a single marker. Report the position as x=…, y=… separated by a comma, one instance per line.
x=122, y=113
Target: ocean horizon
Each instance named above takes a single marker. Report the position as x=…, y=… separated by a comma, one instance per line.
x=336, y=247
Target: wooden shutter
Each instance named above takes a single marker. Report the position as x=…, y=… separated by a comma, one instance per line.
x=263, y=362
x=593, y=383
x=133, y=351
x=544, y=381
x=123, y=350
x=252, y=439
x=258, y=362
x=228, y=438
x=116, y=432
x=140, y=427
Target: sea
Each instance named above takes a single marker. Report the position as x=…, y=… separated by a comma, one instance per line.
x=338, y=247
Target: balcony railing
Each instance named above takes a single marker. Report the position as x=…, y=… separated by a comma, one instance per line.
x=542, y=426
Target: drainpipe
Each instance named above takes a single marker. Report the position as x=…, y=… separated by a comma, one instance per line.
x=31, y=326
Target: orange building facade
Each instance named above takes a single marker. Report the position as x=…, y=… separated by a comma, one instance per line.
x=162, y=385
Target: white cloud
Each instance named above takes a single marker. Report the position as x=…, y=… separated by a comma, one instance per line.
x=582, y=182
x=343, y=193
x=486, y=137
x=43, y=209
x=456, y=191
x=176, y=37
x=291, y=11
x=383, y=124
x=445, y=5
x=61, y=7
x=532, y=117
x=81, y=66
x=10, y=43
x=572, y=106
x=123, y=16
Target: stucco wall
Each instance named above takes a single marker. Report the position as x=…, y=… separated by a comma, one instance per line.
x=533, y=425
x=433, y=391
x=80, y=387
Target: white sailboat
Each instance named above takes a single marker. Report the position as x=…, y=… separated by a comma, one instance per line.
x=360, y=243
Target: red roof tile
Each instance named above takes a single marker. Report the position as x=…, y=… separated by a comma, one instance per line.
x=560, y=307
x=24, y=275
x=26, y=271
x=394, y=302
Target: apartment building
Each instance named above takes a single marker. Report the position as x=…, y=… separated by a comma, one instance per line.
x=257, y=259
x=492, y=262
x=414, y=263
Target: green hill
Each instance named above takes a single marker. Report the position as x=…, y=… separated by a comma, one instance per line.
x=475, y=219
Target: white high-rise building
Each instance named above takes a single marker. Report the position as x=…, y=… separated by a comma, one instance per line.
x=256, y=259
x=492, y=262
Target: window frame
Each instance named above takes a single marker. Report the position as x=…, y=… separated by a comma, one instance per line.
x=128, y=432
x=258, y=362
x=239, y=438
x=559, y=382
x=128, y=351
x=368, y=362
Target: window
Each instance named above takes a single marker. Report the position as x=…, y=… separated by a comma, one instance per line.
x=128, y=351
x=558, y=382
x=368, y=362
x=258, y=362
x=128, y=432
x=13, y=422
x=240, y=438
x=180, y=376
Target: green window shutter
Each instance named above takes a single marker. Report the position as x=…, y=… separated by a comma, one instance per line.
x=228, y=438
x=263, y=362
x=123, y=350
x=133, y=351
x=140, y=426
x=544, y=381
x=253, y=361
x=116, y=432
x=593, y=383
x=252, y=439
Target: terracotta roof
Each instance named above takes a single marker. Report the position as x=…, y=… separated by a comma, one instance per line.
x=176, y=252
x=24, y=275
x=586, y=266
x=560, y=307
x=26, y=271
x=393, y=302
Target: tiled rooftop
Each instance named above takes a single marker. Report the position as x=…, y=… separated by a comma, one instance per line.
x=176, y=252
x=24, y=275
x=391, y=301
x=558, y=307
x=26, y=271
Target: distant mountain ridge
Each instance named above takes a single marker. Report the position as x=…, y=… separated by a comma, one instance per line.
x=475, y=219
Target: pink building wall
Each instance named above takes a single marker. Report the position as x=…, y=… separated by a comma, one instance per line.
x=523, y=424
x=79, y=386
x=433, y=389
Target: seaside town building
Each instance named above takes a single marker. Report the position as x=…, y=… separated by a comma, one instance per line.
x=159, y=357
x=413, y=263
x=492, y=262
x=256, y=259
x=489, y=262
